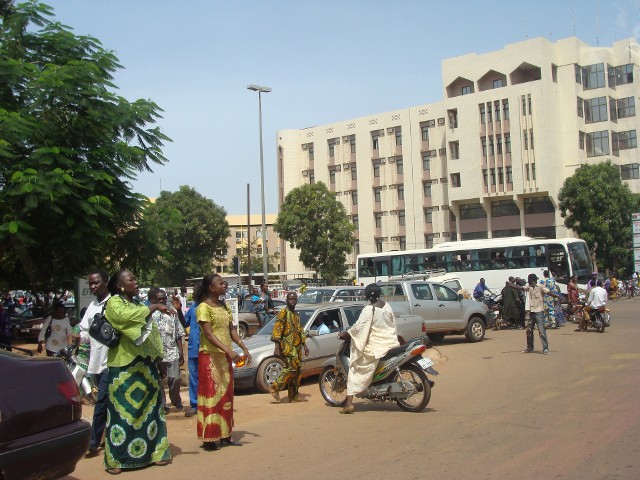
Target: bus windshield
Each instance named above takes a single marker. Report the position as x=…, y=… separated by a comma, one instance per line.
x=580, y=261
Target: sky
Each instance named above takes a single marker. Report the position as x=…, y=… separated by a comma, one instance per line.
x=326, y=61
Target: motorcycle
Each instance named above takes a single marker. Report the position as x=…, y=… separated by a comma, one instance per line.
x=494, y=304
x=399, y=377
x=79, y=372
x=598, y=319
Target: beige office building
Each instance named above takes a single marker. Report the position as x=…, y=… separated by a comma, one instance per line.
x=487, y=161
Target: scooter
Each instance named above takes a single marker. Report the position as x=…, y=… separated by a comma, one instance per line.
x=79, y=372
x=399, y=377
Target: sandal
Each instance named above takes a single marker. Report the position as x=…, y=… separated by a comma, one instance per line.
x=162, y=463
x=210, y=446
x=275, y=393
x=348, y=410
x=114, y=471
x=230, y=442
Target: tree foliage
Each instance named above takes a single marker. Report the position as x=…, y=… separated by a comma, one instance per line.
x=596, y=204
x=69, y=147
x=313, y=221
x=189, y=248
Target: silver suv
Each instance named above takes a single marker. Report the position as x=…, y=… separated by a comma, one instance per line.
x=331, y=294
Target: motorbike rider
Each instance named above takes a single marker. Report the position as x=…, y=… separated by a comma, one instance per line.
x=597, y=299
x=372, y=336
x=478, y=292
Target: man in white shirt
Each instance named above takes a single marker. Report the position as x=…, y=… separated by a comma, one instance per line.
x=597, y=298
x=98, y=280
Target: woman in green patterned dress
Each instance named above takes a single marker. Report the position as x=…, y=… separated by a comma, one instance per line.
x=136, y=432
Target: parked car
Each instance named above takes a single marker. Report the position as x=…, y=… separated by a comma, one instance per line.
x=445, y=312
x=248, y=321
x=26, y=324
x=265, y=367
x=331, y=294
x=42, y=435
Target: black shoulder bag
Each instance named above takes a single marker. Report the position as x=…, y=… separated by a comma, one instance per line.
x=102, y=331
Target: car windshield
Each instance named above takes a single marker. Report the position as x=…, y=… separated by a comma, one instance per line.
x=315, y=295
x=305, y=315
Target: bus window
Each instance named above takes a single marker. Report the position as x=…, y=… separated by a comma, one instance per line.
x=541, y=256
x=381, y=266
x=558, y=263
x=398, y=265
x=365, y=267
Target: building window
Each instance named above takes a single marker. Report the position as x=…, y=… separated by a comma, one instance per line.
x=538, y=205
x=505, y=109
x=509, y=173
x=483, y=143
x=354, y=197
x=400, y=189
x=621, y=75
x=428, y=215
x=578, y=69
x=356, y=247
x=399, y=166
x=581, y=140
x=533, y=172
x=469, y=211
x=498, y=83
x=496, y=110
x=455, y=180
x=500, y=176
x=492, y=176
x=403, y=243
x=531, y=138
x=504, y=208
x=378, y=245
x=332, y=149
x=529, y=103
x=424, y=132
x=352, y=144
x=499, y=144
x=377, y=217
x=483, y=116
x=428, y=241
x=526, y=170
x=489, y=115
x=580, y=107
x=593, y=76
x=525, y=139
x=491, y=149
x=376, y=169
x=426, y=162
x=312, y=177
x=627, y=140
x=441, y=121
x=375, y=142
x=507, y=142
x=595, y=110
x=426, y=188
x=466, y=90
x=454, y=150
x=401, y=218
x=524, y=105
x=354, y=172
x=626, y=107
x=485, y=177
x=355, y=221
x=398, y=136
x=377, y=195
x=597, y=144
x=332, y=176
x=310, y=150
x=630, y=171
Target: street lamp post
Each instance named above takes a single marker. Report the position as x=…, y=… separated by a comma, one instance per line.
x=265, y=269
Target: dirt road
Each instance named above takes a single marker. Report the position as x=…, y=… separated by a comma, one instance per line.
x=495, y=413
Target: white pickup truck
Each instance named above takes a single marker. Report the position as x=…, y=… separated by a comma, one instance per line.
x=444, y=312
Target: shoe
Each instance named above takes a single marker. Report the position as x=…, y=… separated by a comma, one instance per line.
x=347, y=410
x=92, y=452
x=527, y=350
x=545, y=352
x=210, y=446
x=230, y=442
x=191, y=412
x=180, y=408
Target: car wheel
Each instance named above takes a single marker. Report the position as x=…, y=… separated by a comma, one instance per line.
x=475, y=330
x=268, y=372
x=242, y=330
x=436, y=337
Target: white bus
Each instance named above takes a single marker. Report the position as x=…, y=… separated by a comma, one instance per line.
x=494, y=259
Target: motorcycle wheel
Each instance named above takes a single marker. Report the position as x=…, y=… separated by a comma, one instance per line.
x=412, y=373
x=333, y=387
x=600, y=324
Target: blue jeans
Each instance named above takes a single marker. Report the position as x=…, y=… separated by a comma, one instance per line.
x=537, y=318
x=100, y=410
x=193, y=381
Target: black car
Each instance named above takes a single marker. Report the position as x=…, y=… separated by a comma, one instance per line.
x=42, y=434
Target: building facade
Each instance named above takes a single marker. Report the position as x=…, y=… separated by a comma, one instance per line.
x=488, y=160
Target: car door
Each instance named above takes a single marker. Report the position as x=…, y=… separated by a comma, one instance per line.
x=321, y=347
x=450, y=309
x=425, y=305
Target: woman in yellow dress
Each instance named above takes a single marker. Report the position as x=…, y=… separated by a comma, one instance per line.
x=215, y=370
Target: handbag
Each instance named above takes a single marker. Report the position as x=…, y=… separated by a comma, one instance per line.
x=102, y=331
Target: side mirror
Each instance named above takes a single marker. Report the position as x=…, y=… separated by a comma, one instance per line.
x=460, y=297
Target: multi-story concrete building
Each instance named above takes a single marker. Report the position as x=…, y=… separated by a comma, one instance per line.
x=489, y=159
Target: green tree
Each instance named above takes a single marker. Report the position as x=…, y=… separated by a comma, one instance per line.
x=69, y=148
x=313, y=221
x=190, y=248
x=597, y=205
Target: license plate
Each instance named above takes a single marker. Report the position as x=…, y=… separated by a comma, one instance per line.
x=425, y=362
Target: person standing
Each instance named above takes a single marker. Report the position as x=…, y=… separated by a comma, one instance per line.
x=171, y=333
x=536, y=292
x=549, y=301
x=522, y=305
x=215, y=372
x=192, y=354
x=511, y=299
x=372, y=336
x=97, y=365
x=56, y=332
x=182, y=296
x=288, y=335
x=136, y=432
x=572, y=292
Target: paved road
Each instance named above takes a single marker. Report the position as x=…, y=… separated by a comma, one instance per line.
x=495, y=413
